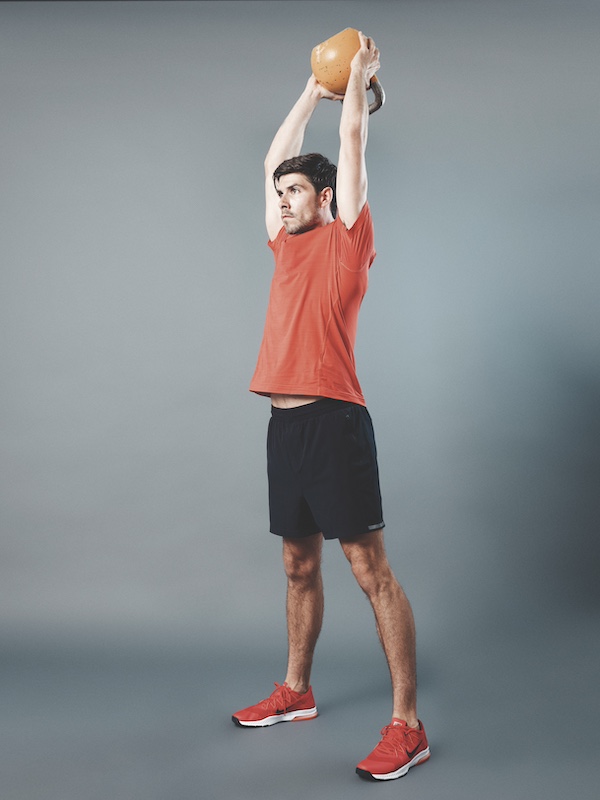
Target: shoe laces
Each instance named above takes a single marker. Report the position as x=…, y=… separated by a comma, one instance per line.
x=280, y=699
x=396, y=739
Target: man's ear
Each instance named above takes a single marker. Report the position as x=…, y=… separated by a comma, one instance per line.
x=326, y=196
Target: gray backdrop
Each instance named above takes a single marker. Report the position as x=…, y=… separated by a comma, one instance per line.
x=141, y=596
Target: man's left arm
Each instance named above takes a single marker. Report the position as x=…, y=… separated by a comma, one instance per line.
x=351, y=188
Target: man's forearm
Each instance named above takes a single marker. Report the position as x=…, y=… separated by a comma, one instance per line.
x=290, y=136
x=354, y=122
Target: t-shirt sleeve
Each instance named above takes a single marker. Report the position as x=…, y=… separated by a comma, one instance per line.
x=356, y=245
x=275, y=243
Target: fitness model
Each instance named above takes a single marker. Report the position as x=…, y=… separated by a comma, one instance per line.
x=321, y=455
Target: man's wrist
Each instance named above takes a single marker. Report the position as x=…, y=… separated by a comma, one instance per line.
x=359, y=76
x=313, y=91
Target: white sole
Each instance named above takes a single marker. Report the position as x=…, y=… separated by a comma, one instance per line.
x=291, y=716
x=399, y=773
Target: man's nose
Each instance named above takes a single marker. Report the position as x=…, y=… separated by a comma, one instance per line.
x=283, y=203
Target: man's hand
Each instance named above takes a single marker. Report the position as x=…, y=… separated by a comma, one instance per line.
x=366, y=59
x=322, y=93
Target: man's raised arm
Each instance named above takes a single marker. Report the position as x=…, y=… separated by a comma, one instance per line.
x=351, y=188
x=288, y=144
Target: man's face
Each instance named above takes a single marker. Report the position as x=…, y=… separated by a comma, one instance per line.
x=299, y=203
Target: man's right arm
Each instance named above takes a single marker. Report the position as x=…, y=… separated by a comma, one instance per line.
x=288, y=144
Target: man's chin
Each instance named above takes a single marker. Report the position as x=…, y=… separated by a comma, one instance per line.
x=293, y=226
x=290, y=225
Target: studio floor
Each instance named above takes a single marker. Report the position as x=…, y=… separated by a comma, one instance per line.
x=508, y=716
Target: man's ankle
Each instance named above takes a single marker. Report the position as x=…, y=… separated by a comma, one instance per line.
x=411, y=721
x=297, y=686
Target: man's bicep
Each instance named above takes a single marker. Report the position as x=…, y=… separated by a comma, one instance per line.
x=351, y=185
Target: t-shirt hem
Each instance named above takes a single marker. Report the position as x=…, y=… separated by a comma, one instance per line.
x=328, y=393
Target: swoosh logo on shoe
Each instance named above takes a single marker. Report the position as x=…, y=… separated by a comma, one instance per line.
x=412, y=753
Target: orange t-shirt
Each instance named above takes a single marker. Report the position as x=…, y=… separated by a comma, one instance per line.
x=320, y=280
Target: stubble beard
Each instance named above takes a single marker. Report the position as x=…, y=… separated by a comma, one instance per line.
x=294, y=226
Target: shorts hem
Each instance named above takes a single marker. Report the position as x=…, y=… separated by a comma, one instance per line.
x=332, y=536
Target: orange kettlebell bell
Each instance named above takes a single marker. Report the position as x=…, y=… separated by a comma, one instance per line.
x=330, y=64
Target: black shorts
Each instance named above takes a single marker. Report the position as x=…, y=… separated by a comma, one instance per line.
x=322, y=468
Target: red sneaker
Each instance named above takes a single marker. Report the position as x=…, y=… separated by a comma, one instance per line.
x=284, y=705
x=400, y=749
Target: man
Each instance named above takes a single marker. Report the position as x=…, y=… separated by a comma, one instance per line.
x=322, y=463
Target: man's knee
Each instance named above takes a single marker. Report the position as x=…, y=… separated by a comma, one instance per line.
x=302, y=561
x=370, y=567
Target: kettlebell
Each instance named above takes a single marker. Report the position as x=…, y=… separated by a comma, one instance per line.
x=330, y=64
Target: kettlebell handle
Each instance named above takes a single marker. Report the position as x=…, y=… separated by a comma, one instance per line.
x=378, y=93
